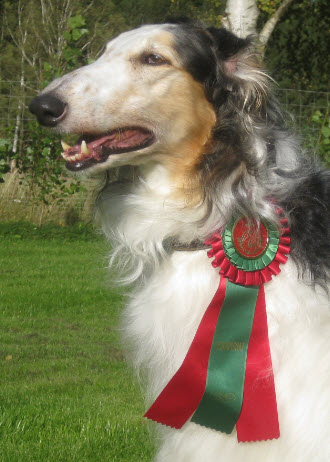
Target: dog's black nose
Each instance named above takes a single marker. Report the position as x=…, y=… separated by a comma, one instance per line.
x=49, y=109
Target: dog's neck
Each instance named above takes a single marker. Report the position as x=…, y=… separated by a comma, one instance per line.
x=140, y=217
x=183, y=190
x=157, y=178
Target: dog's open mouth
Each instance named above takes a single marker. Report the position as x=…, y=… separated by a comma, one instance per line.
x=91, y=150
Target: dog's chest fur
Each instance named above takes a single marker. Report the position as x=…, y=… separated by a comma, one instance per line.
x=171, y=295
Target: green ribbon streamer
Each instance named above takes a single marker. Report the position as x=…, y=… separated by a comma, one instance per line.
x=221, y=403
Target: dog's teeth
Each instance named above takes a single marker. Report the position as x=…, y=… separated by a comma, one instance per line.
x=78, y=156
x=84, y=148
x=64, y=155
x=65, y=146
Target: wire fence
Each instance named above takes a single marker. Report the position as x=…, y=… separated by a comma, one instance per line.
x=303, y=104
x=15, y=120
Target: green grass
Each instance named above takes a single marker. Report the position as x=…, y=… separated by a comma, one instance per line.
x=65, y=392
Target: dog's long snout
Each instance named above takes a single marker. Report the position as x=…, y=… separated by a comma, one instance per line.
x=49, y=109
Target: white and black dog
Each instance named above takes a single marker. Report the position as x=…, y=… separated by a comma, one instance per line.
x=190, y=109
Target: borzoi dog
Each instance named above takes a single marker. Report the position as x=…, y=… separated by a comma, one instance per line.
x=215, y=173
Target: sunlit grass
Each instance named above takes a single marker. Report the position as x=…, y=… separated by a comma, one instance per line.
x=65, y=392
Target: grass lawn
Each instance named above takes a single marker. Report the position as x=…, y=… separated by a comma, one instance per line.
x=65, y=391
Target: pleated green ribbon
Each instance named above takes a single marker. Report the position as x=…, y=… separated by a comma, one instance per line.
x=221, y=403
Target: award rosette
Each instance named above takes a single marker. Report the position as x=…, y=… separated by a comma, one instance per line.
x=249, y=253
x=226, y=378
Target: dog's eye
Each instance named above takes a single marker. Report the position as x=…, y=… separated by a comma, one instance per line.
x=154, y=60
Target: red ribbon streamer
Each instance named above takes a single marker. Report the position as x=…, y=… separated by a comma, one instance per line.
x=181, y=396
x=259, y=419
x=179, y=399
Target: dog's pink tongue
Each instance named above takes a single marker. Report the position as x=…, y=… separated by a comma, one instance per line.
x=126, y=139
x=117, y=140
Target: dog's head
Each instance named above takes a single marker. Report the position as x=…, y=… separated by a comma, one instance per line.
x=157, y=93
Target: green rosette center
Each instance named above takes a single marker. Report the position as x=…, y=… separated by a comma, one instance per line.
x=250, y=246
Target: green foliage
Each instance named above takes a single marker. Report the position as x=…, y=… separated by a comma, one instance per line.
x=268, y=6
x=41, y=164
x=297, y=52
x=210, y=12
x=72, y=54
x=6, y=147
x=322, y=122
x=76, y=28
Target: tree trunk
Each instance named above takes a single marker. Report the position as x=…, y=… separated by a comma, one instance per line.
x=19, y=114
x=271, y=23
x=241, y=17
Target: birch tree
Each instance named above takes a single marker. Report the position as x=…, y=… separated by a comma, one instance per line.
x=241, y=17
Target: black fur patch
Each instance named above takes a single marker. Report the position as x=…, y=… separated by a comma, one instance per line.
x=194, y=46
x=204, y=50
x=309, y=211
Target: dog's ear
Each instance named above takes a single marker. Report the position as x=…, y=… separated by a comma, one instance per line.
x=238, y=71
x=228, y=47
x=228, y=44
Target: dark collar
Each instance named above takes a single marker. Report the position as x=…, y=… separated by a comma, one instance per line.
x=192, y=246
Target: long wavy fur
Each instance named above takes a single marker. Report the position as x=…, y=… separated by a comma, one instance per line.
x=253, y=164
